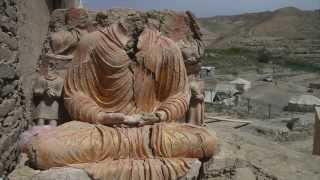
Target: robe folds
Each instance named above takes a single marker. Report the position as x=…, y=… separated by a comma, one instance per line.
x=157, y=152
x=103, y=78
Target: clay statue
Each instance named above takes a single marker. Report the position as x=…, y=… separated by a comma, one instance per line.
x=124, y=108
x=195, y=114
x=47, y=91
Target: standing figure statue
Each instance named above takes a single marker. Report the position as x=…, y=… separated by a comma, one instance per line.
x=196, y=110
x=124, y=108
x=47, y=92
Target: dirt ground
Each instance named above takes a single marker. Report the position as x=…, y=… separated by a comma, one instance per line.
x=271, y=147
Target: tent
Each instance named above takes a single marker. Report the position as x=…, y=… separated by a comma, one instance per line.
x=303, y=103
x=241, y=84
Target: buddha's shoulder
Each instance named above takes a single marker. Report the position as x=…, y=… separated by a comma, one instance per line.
x=90, y=39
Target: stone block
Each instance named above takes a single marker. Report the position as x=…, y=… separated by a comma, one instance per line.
x=7, y=71
x=10, y=41
x=5, y=53
x=62, y=174
x=7, y=106
x=7, y=90
x=10, y=26
x=11, y=11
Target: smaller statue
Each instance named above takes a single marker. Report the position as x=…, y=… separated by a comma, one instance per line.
x=196, y=108
x=47, y=92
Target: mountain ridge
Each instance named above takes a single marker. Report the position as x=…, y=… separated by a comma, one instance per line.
x=288, y=23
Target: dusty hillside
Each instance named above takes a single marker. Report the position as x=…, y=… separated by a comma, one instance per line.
x=288, y=23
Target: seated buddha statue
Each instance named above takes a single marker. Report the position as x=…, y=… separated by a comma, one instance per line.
x=124, y=108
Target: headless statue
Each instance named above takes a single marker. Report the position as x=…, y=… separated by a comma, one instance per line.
x=48, y=90
x=195, y=114
x=124, y=111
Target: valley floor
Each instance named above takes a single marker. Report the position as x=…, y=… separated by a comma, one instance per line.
x=267, y=147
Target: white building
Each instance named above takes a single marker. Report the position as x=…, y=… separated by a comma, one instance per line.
x=241, y=84
x=303, y=103
x=207, y=71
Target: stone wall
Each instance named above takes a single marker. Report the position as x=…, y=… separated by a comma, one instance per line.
x=23, y=27
x=33, y=22
x=11, y=100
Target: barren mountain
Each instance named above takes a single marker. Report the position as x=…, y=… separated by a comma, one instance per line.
x=286, y=23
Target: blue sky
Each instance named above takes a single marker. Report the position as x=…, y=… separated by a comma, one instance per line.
x=204, y=7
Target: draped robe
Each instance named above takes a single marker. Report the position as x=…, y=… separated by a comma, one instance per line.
x=103, y=78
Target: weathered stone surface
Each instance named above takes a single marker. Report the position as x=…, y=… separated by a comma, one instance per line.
x=8, y=140
x=5, y=53
x=193, y=172
x=11, y=12
x=9, y=25
x=10, y=125
x=244, y=174
x=3, y=20
x=7, y=71
x=23, y=173
x=10, y=41
x=8, y=89
x=9, y=157
x=7, y=106
x=58, y=19
x=10, y=121
x=1, y=168
x=62, y=174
